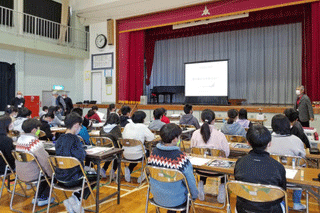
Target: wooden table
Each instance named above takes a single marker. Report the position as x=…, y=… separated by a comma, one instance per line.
x=304, y=181
x=58, y=129
x=97, y=158
x=253, y=120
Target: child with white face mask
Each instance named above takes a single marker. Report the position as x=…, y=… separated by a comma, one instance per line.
x=69, y=145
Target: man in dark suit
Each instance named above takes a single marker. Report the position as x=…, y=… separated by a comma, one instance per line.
x=303, y=105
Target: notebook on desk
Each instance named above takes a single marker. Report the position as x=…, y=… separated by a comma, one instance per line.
x=222, y=163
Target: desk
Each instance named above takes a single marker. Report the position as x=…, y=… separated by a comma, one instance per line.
x=97, y=158
x=58, y=129
x=306, y=181
x=94, y=133
x=253, y=120
x=97, y=125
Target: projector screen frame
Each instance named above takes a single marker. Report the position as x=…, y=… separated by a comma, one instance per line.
x=206, y=100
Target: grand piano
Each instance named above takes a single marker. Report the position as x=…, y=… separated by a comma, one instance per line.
x=166, y=90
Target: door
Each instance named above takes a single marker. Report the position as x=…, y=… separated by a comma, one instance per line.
x=32, y=103
x=96, y=91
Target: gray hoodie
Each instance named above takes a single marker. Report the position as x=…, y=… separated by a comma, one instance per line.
x=17, y=124
x=233, y=129
x=190, y=120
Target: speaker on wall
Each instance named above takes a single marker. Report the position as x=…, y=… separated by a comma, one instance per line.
x=110, y=33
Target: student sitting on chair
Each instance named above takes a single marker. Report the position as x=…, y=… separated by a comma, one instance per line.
x=45, y=120
x=44, y=111
x=283, y=143
x=111, y=130
x=232, y=127
x=209, y=137
x=86, y=122
x=56, y=121
x=6, y=144
x=12, y=112
x=84, y=131
x=243, y=119
x=91, y=115
x=296, y=127
x=125, y=117
x=111, y=109
x=99, y=114
x=188, y=118
x=29, y=171
x=165, y=153
x=23, y=114
x=156, y=124
x=138, y=131
x=259, y=167
x=69, y=145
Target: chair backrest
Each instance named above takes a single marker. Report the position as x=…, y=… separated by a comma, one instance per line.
x=122, y=128
x=287, y=160
x=164, y=174
x=62, y=162
x=5, y=160
x=28, y=157
x=236, y=138
x=255, y=192
x=81, y=139
x=101, y=141
x=130, y=142
x=208, y=151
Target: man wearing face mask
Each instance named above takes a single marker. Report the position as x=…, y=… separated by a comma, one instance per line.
x=18, y=101
x=303, y=105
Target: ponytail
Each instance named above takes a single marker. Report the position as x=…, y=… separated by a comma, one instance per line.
x=111, y=106
x=207, y=117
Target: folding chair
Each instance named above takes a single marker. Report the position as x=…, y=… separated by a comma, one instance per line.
x=59, y=162
x=81, y=139
x=101, y=141
x=299, y=162
x=7, y=172
x=155, y=132
x=165, y=175
x=186, y=136
x=255, y=193
x=185, y=146
x=236, y=138
x=132, y=143
x=28, y=157
x=209, y=152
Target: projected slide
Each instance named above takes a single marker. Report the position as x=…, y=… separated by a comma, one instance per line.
x=206, y=79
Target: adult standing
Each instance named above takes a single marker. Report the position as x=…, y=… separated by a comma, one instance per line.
x=68, y=101
x=59, y=101
x=303, y=105
x=18, y=101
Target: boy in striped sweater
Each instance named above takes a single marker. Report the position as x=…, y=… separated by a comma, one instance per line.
x=168, y=155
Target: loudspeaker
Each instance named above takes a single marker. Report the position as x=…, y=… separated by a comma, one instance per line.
x=110, y=31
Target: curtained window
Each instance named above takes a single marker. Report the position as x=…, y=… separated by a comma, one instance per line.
x=264, y=63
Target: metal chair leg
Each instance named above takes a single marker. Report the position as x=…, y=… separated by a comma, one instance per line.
x=12, y=195
x=4, y=179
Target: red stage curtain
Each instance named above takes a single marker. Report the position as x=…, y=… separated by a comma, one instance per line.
x=131, y=66
x=314, y=72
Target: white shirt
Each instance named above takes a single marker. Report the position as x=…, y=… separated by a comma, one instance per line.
x=139, y=132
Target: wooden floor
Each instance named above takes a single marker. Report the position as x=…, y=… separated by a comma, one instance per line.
x=132, y=201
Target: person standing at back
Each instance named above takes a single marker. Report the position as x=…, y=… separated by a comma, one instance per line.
x=18, y=101
x=304, y=107
x=188, y=118
x=68, y=101
x=59, y=101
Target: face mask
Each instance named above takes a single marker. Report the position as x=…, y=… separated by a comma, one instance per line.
x=38, y=132
x=19, y=96
x=298, y=92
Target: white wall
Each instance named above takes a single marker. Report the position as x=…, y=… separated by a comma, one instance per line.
x=37, y=72
x=96, y=29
